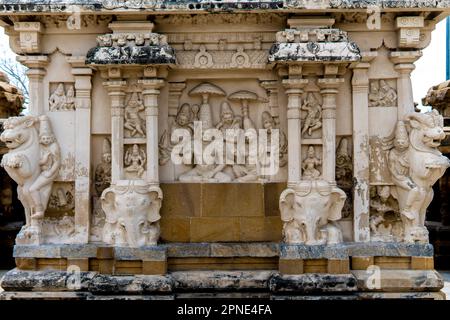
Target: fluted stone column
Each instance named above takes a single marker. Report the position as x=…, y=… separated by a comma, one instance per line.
x=150, y=95
x=116, y=92
x=404, y=64
x=329, y=89
x=361, y=148
x=294, y=91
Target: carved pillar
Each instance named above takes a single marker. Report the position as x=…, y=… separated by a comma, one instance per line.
x=150, y=95
x=294, y=90
x=83, y=88
x=175, y=91
x=404, y=64
x=36, y=73
x=272, y=91
x=116, y=92
x=361, y=151
x=329, y=89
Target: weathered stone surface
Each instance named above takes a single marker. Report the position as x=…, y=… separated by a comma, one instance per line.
x=312, y=283
x=402, y=295
x=244, y=250
x=197, y=5
x=162, y=54
x=398, y=280
x=221, y=281
x=291, y=251
x=18, y=280
x=142, y=253
x=390, y=249
x=137, y=284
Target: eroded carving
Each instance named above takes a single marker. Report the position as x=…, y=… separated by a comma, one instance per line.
x=382, y=94
x=132, y=214
x=309, y=210
x=103, y=170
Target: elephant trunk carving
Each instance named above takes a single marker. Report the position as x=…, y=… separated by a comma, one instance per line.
x=132, y=214
x=309, y=210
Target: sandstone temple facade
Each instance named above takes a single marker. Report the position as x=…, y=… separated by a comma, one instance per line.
x=133, y=183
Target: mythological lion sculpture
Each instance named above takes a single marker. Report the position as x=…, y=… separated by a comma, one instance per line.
x=33, y=163
x=415, y=165
x=309, y=210
x=132, y=214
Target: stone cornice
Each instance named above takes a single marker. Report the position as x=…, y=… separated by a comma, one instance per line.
x=115, y=6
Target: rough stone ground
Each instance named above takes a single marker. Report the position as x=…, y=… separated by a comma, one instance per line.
x=445, y=275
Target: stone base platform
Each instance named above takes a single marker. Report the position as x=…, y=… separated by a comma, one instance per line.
x=218, y=284
x=241, y=270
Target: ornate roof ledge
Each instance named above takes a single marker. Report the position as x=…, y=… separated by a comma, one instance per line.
x=314, y=45
x=43, y=6
x=131, y=48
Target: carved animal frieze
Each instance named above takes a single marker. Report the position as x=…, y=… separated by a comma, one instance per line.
x=132, y=214
x=309, y=210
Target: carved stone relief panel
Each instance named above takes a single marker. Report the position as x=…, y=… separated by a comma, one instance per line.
x=385, y=223
x=102, y=178
x=62, y=199
x=311, y=165
x=382, y=93
x=225, y=111
x=61, y=97
x=134, y=122
x=134, y=160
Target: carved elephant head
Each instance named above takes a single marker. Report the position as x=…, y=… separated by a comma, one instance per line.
x=308, y=210
x=132, y=215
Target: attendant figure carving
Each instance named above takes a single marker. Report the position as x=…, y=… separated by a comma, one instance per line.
x=133, y=121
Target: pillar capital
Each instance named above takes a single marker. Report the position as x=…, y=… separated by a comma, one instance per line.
x=34, y=62
x=329, y=85
x=405, y=57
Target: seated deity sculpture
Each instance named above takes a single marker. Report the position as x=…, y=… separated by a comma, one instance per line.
x=57, y=98
x=310, y=163
x=135, y=160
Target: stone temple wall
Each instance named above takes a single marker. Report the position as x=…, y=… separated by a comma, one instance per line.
x=336, y=171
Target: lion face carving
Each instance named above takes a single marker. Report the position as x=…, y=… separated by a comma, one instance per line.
x=16, y=133
x=429, y=126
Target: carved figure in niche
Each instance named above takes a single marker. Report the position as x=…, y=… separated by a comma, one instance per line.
x=133, y=121
x=184, y=120
x=49, y=162
x=103, y=170
x=62, y=200
x=33, y=166
x=227, y=118
x=309, y=210
x=135, y=159
x=269, y=124
x=309, y=165
x=69, y=104
x=205, y=172
x=382, y=94
x=388, y=94
x=313, y=120
x=57, y=98
x=132, y=214
x=415, y=165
